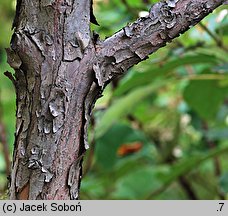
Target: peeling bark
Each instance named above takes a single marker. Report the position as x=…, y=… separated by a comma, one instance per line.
x=51, y=51
x=61, y=70
x=132, y=44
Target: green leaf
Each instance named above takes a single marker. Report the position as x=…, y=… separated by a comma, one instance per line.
x=137, y=184
x=205, y=97
x=185, y=166
x=92, y=185
x=106, y=148
x=223, y=68
x=152, y=72
x=223, y=28
x=149, y=181
x=217, y=134
x=223, y=181
x=2, y=161
x=123, y=106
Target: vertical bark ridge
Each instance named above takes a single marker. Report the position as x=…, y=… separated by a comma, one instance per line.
x=55, y=92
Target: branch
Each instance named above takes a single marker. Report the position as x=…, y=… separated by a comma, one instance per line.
x=132, y=44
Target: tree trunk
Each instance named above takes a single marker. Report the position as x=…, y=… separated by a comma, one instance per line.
x=60, y=71
x=52, y=53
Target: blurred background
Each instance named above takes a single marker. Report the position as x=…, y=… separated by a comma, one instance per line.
x=159, y=132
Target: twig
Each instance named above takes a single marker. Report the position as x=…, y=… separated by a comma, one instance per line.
x=212, y=144
x=216, y=161
x=217, y=40
x=187, y=188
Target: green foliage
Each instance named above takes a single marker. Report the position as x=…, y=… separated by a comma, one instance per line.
x=7, y=94
x=122, y=107
x=150, y=72
x=173, y=105
x=6, y=16
x=205, y=97
x=156, y=179
x=224, y=182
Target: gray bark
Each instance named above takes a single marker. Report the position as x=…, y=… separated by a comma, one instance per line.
x=60, y=70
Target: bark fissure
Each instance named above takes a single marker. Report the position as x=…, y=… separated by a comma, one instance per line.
x=132, y=44
x=61, y=70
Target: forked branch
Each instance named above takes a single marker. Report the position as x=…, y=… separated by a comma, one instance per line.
x=132, y=44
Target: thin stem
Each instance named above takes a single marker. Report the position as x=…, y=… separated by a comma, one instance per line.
x=217, y=40
x=185, y=184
